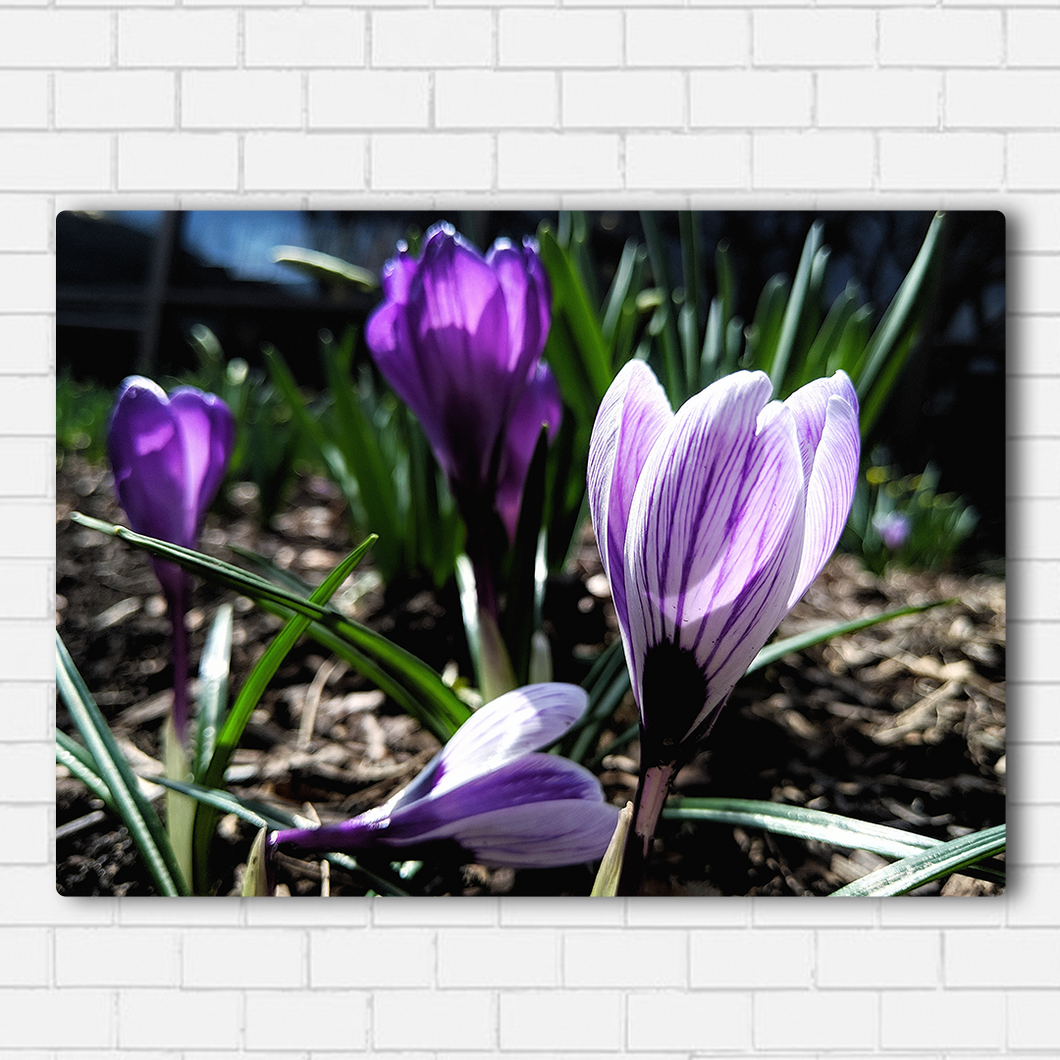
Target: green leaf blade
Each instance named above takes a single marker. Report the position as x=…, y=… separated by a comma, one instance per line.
x=135, y=810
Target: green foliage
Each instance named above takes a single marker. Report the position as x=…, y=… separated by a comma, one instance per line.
x=407, y=680
x=921, y=859
x=82, y=413
x=914, y=871
x=378, y=456
x=99, y=762
x=793, y=336
x=936, y=524
x=268, y=441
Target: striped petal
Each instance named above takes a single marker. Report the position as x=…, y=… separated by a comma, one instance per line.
x=520, y=721
x=533, y=778
x=632, y=416
x=826, y=418
x=715, y=534
x=540, y=836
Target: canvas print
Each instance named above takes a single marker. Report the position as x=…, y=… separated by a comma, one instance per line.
x=526, y=553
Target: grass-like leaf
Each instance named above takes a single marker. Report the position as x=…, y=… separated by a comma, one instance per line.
x=941, y=860
x=799, y=304
x=892, y=339
x=576, y=350
x=69, y=753
x=319, y=266
x=803, y=823
x=527, y=570
x=606, y=883
x=249, y=695
x=676, y=384
x=778, y=649
x=213, y=684
x=406, y=679
x=136, y=812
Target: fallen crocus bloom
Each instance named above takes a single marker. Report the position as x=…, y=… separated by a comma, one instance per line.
x=491, y=791
x=711, y=524
x=169, y=456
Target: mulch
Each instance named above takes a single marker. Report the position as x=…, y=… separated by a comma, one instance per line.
x=901, y=724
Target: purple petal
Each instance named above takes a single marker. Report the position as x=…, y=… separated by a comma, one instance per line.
x=539, y=404
x=387, y=335
x=632, y=416
x=826, y=417
x=506, y=728
x=147, y=457
x=809, y=405
x=540, y=835
x=533, y=777
x=539, y=810
x=715, y=532
x=207, y=432
x=893, y=528
x=397, y=275
x=528, y=299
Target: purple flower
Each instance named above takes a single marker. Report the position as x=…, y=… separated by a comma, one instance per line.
x=492, y=791
x=169, y=456
x=459, y=337
x=893, y=528
x=711, y=524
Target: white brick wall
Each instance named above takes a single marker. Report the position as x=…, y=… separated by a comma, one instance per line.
x=412, y=103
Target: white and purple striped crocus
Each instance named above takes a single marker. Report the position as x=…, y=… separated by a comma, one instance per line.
x=492, y=791
x=459, y=336
x=169, y=456
x=711, y=524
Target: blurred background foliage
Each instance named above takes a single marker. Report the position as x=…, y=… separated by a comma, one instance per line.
x=266, y=308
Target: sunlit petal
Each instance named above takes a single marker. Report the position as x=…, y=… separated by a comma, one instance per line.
x=632, y=416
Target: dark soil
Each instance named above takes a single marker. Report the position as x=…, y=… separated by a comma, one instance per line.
x=902, y=724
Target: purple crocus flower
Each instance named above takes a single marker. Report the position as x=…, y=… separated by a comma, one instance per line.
x=459, y=336
x=169, y=455
x=893, y=528
x=492, y=791
x=711, y=524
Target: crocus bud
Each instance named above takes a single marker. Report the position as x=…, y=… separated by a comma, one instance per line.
x=169, y=456
x=491, y=791
x=893, y=528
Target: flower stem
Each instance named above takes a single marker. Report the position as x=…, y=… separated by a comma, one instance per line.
x=652, y=790
x=176, y=602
